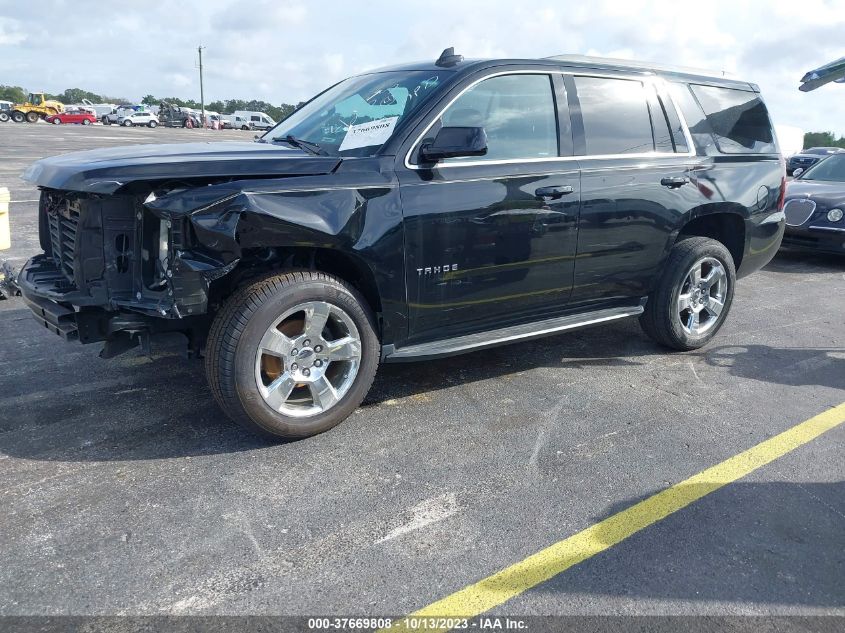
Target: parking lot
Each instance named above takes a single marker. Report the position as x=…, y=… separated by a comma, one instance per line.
x=127, y=491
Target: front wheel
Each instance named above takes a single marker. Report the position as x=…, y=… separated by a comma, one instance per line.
x=56, y=121
x=31, y=117
x=127, y=123
x=86, y=121
x=293, y=354
x=4, y=116
x=152, y=124
x=694, y=295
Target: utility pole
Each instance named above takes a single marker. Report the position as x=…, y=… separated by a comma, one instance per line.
x=202, y=94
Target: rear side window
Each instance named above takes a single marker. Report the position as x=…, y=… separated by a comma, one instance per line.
x=738, y=119
x=615, y=115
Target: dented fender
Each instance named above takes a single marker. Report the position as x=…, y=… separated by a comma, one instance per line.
x=219, y=224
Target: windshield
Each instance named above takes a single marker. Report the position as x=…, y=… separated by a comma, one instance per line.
x=830, y=169
x=822, y=150
x=359, y=115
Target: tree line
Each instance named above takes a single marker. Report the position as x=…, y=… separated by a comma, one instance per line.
x=823, y=139
x=16, y=94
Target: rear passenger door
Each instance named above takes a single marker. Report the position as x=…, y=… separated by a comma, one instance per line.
x=635, y=161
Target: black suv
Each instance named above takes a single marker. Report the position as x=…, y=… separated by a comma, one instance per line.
x=414, y=212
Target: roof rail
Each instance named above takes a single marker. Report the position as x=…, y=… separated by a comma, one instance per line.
x=611, y=61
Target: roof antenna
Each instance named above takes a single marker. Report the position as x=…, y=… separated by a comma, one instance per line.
x=448, y=58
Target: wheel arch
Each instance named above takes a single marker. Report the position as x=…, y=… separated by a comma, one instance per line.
x=348, y=267
x=724, y=223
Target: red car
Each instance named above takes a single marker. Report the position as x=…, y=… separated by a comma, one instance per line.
x=85, y=118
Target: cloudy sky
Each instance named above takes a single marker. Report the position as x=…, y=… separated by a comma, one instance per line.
x=286, y=50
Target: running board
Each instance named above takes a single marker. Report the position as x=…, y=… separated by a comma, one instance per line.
x=503, y=336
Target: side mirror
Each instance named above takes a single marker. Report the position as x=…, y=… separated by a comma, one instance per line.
x=454, y=142
x=797, y=172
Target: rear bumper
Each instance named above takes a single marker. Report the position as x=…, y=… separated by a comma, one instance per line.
x=763, y=239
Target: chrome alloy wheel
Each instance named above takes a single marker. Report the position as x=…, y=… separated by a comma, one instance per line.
x=702, y=296
x=308, y=359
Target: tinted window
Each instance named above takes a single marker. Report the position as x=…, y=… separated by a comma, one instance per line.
x=516, y=111
x=737, y=118
x=830, y=169
x=615, y=114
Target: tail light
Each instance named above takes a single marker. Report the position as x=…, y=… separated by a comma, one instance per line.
x=782, y=194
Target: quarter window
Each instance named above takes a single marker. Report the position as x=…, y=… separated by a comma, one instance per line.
x=738, y=119
x=615, y=115
x=516, y=111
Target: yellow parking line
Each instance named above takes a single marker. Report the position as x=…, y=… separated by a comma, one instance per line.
x=547, y=563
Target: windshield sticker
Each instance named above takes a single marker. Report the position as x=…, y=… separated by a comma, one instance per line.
x=366, y=134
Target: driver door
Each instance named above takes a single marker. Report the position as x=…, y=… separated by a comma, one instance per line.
x=490, y=241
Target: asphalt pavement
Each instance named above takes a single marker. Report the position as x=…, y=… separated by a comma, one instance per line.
x=125, y=490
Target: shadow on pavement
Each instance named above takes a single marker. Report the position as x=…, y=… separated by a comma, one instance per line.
x=774, y=543
x=63, y=403
x=803, y=262
x=784, y=366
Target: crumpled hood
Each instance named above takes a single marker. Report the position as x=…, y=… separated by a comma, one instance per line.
x=825, y=194
x=106, y=170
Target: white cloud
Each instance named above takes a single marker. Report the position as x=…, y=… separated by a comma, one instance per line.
x=10, y=32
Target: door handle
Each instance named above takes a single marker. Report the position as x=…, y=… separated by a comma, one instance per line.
x=673, y=182
x=554, y=192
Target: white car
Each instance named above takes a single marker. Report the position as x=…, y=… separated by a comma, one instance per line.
x=139, y=118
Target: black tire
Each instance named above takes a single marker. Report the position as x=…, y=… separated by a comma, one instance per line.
x=32, y=117
x=662, y=317
x=18, y=116
x=152, y=124
x=234, y=339
x=86, y=122
x=4, y=116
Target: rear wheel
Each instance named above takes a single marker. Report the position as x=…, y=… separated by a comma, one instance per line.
x=694, y=295
x=293, y=354
x=18, y=116
x=31, y=117
x=4, y=116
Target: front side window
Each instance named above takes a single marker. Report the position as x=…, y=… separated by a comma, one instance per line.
x=359, y=115
x=615, y=115
x=738, y=119
x=516, y=111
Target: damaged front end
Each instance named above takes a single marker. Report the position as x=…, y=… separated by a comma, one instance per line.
x=121, y=269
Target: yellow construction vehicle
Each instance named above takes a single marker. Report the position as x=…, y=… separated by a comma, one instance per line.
x=37, y=106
